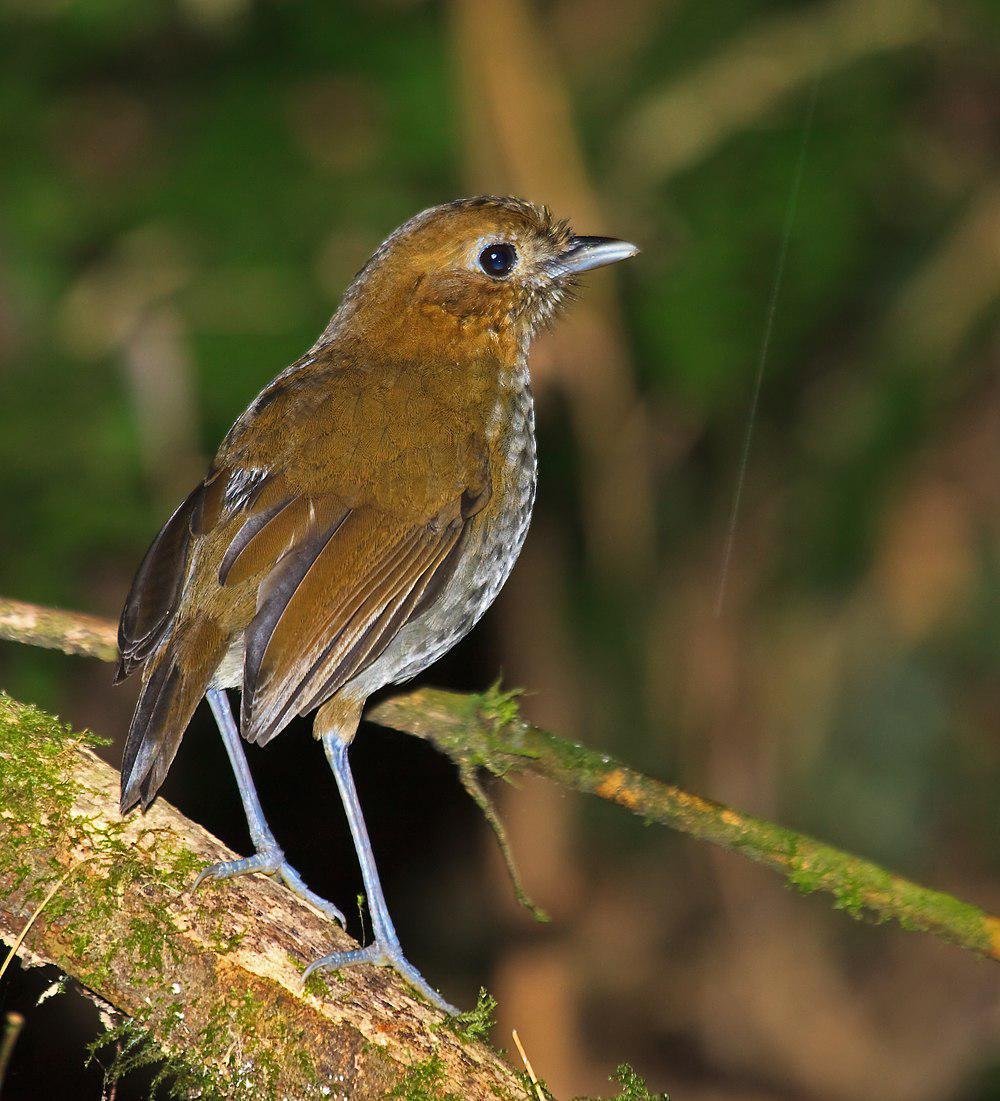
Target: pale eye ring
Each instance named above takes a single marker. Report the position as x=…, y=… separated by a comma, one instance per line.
x=498, y=259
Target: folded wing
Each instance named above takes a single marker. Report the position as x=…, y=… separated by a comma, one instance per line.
x=316, y=547
x=332, y=603
x=326, y=589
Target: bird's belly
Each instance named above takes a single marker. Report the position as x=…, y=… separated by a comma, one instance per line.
x=478, y=579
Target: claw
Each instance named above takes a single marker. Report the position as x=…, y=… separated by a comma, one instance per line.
x=383, y=955
x=226, y=869
x=270, y=861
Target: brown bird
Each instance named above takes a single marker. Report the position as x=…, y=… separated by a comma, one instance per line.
x=359, y=517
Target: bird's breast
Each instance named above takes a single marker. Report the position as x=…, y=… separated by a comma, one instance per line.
x=490, y=548
x=497, y=534
x=506, y=518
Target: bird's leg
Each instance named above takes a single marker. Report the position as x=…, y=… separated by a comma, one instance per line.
x=385, y=948
x=268, y=856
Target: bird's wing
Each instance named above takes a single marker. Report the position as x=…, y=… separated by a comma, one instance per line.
x=329, y=587
x=359, y=528
x=332, y=600
x=317, y=545
x=155, y=596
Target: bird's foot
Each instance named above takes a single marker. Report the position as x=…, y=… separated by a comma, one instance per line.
x=384, y=954
x=270, y=861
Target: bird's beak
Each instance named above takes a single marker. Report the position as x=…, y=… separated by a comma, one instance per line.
x=585, y=253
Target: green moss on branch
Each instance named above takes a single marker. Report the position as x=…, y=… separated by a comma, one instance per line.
x=486, y=731
x=211, y=982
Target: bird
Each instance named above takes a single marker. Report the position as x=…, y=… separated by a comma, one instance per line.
x=358, y=519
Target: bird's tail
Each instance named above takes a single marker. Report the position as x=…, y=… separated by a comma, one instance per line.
x=174, y=680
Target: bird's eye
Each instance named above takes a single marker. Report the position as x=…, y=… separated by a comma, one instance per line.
x=498, y=260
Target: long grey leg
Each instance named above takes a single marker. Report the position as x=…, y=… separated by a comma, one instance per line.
x=385, y=948
x=260, y=832
x=268, y=856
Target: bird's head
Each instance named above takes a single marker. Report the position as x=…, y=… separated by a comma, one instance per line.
x=495, y=265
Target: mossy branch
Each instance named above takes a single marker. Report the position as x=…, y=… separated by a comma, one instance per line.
x=486, y=731
x=156, y=855
x=211, y=981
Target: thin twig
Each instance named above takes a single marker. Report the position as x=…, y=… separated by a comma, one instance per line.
x=470, y=781
x=488, y=730
x=16, y=946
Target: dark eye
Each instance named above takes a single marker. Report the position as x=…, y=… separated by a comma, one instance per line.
x=498, y=260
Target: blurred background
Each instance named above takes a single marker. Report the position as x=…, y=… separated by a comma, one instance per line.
x=188, y=186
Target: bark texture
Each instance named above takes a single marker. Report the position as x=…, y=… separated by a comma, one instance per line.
x=213, y=978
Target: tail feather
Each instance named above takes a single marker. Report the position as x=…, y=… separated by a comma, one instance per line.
x=175, y=680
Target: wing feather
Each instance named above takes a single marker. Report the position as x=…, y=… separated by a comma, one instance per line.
x=372, y=641
x=156, y=588
x=270, y=534
x=331, y=607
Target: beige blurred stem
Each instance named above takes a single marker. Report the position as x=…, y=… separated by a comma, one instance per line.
x=678, y=126
x=952, y=291
x=486, y=731
x=521, y=138
x=158, y=367
x=126, y=305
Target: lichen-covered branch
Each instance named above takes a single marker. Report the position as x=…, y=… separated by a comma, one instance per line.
x=212, y=980
x=137, y=867
x=486, y=731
